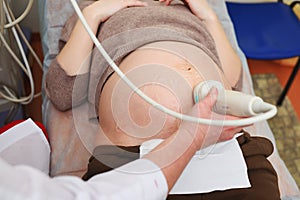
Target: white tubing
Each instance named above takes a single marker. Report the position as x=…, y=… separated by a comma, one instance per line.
x=241, y=122
x=26, y=69
x=21, y=17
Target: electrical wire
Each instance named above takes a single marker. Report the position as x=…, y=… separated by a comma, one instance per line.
x=2, y=21
x=241, y=122
x=21, y=17
x=13, y=23
x=25, y=40
x=10, y=96
x=11, y=52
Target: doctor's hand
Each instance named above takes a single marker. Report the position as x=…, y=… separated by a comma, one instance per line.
x=101, y=10
x=175, y=152
x=205, y=135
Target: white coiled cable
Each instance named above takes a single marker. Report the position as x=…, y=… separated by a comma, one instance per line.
x=240, y=122
x=9, y=94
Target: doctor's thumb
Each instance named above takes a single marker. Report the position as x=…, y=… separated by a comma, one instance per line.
x=211, y=98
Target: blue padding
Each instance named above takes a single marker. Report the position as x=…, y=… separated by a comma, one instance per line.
x=266, y=30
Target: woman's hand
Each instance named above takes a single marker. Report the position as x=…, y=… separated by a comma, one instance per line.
x=101, y=10
x=200, y=8
x=77, y=50
x=205, y=135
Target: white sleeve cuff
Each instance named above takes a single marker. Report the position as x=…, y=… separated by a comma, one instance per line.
x=141, y=179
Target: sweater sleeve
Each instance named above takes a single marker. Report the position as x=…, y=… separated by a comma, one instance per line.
x=58, y=85
x=63, y=90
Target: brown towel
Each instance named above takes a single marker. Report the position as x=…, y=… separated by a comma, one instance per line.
x=263, y=178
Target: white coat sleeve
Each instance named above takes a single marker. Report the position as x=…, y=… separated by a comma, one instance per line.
x=141, y=179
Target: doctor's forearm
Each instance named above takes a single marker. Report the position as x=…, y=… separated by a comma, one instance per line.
x=173, y=155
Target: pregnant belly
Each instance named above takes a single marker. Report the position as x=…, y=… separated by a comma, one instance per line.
x=167, y=72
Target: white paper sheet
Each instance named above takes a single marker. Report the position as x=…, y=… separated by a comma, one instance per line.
x=25, y=144
x=217, y=167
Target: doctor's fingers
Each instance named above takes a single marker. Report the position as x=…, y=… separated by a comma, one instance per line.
x=229, y=132
x=214, y=135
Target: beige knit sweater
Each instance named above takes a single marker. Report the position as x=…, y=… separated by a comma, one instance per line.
x=121, y=34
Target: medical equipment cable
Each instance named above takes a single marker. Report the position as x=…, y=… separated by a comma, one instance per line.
x=11, y=52
x=240, y=122
x=25, y=40
x=1, y=17
x=11, y=97
x=26, y=69
x=21, y=17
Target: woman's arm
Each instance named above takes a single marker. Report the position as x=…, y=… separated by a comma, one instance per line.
x=231, y=63
x=77, y=50
x=73, y=59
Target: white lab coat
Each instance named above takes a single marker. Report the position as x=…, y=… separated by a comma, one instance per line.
x=141, y=179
